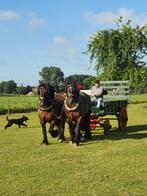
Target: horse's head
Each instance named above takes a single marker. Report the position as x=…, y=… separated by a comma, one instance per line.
x=72, y=93
x=46, y=94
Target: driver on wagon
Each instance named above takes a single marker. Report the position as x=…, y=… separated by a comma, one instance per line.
x=97, y=93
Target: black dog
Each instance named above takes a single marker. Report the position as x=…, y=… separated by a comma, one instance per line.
x=19, y=122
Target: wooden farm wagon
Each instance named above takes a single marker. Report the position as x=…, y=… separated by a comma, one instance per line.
x=113, y=103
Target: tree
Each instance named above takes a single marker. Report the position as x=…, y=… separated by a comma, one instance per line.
x=77, y=77
x=53, y=75
x=119, y=53
x=23, y=90
x=8, y=87
x=88, y=82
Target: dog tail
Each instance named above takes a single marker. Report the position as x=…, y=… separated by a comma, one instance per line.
x=7, y=118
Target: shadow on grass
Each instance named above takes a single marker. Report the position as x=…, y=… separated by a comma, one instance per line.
x=130, y=133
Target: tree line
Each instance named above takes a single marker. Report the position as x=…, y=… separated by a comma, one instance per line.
x=10, y=87
x=55, y=76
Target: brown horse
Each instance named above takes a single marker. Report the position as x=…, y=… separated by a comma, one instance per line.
x=77, y=108
x=51, y=110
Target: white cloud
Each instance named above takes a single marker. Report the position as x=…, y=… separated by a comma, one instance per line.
x=99, y=18
x=110, y=17
x=59, y=40
x=72, y=51
x=8, y=15
x=38, y=22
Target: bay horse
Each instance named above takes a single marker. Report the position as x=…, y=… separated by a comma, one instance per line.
x=50, y=110
x=77, y=108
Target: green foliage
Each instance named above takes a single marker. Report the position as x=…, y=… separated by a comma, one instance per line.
x=106, y=166
x=136, y=99
x=53, y=75
x=77, y=77
x=85, y=80
x=8, y=87
x=23, y=90
x=118, y=54
x=88, y=82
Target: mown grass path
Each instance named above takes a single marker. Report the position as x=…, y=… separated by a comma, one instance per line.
x=114, y=165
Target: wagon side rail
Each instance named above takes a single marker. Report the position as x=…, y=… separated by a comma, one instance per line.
x=117, y=90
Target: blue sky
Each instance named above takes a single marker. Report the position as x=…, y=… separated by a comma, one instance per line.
x=37, y=33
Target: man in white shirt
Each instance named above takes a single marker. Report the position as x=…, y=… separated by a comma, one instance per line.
x=97, y=93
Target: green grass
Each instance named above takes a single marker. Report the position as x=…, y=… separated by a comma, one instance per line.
x=17, y=104
x=114, y=165
x=134, y=99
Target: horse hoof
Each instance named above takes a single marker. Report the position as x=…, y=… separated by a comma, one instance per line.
x=61, y=140
x=75, y=144
x=71, y=143
x=45, y=143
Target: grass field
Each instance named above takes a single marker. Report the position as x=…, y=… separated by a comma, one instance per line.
x=115, y=165
x=19, y=104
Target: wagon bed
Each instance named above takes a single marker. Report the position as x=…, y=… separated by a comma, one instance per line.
x=114, y=103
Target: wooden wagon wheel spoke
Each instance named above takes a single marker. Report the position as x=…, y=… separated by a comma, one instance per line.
x=122, y=120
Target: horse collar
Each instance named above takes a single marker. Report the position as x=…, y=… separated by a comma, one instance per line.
x=45, y=108
x=71, y=109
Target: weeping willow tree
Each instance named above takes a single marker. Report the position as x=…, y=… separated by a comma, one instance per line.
x=119, y=54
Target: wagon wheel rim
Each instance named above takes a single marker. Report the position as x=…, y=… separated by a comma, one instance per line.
x=123, y=118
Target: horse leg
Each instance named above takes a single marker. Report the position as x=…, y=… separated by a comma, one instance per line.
x=71, y=132
x=44, y=141
x=61, y=128
x=85, y=126
x=52, y=124
x=77, y=133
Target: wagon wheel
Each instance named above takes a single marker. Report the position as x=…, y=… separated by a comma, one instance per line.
x=106, y=126
x=122, y=119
